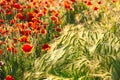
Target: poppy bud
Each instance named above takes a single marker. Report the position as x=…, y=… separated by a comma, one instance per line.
x=45, y=47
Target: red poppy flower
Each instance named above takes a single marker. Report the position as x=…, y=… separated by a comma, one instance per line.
x=9, y=48
x=35, y=20
x=19, y=15
x=44, y=11
x=12, y=21
x=95, y=8
x=34, y=26
x=43, y=31
x=30, y=15
x=1, y=11
x=85, y=1
x=25, y=32
x=47, y=4
x=113, y=1
x=72, y=0
x=58, y=29
x=1, y=21
x=34, y=3
x=38, y=27
x=36, y=11
x=1, y=51
x=99, y=2
x=15, y=39
x=89, y=3
x=67, y=5
x=24, y=39
x=13, y=49
x=54, y=18
x=30, y=23
x=40, y=14
x=27, y=48
x=8, y=77
x=46, y=47
x=17, y=6
x=54, y=12
x=4, y=32
x=8, y=12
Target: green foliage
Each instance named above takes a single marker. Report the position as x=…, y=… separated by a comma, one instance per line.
x=88, y=48
x=83, y=54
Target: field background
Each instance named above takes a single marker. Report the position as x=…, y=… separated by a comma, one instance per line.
x=59, y=40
